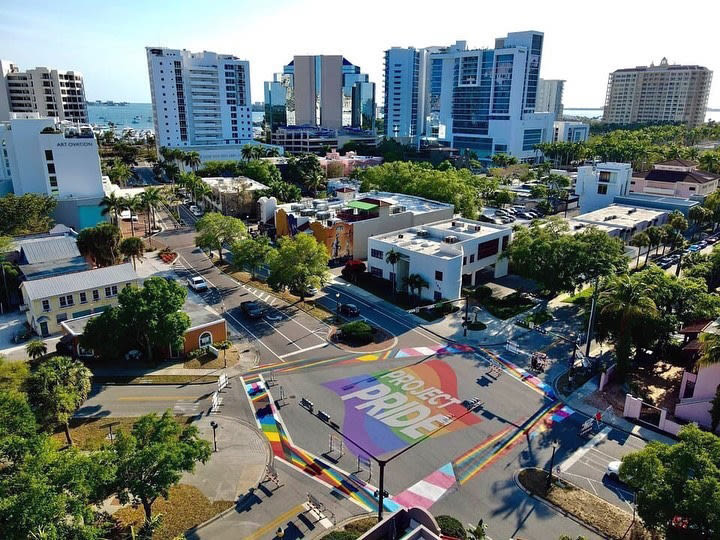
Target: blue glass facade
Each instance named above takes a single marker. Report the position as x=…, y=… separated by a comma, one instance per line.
x=531, y=137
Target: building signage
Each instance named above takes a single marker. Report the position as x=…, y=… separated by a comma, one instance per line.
x=388, y=410
x=73, y=143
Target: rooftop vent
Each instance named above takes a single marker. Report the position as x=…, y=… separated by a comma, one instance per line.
x=610, y=218
x=632, y=211
x=478, y=228
x=452, y=239
x=423, y=234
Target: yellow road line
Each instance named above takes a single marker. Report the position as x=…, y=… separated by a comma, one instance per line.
x=272, y=526
x=151, y=398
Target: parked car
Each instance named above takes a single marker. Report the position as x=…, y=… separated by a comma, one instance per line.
x=197, y=284
x=252, y=309
x=507, y=220
x=309, y=290
x=197, y=212
x=501, y=212
x=349, y=310
x=126, y=215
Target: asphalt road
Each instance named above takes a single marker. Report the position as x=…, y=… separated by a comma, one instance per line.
x=136, y=400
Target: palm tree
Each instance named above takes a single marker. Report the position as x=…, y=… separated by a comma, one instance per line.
x=134, y=248
x=151, y=198
x=112, y=203
x=192, y=160
x=640, y=240
x=247, y=152
x=189, y=181
x=36, y=348
x=202, y=190
x=679, y=225
x=626, y=302
x=393, y=257
x=416, y=282
x=655, y=235
x=271, y=152
x=709, y=350
x=132, y=203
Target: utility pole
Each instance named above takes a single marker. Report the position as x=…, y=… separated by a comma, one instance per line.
x=591, y=321
x=467, y=321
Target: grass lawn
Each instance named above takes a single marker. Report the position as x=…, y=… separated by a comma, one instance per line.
x=580, y=298
x=157, y=379
x=587, y=507
x=354, y=529
x=309, y=306
x=208, y=361
x=186, y=507
x=508, y=306
x=91, y=433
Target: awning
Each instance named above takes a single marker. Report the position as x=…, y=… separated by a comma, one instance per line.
x=362, y=205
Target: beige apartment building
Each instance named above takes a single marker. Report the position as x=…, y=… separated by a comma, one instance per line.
x=662, y=93
x=48, y=91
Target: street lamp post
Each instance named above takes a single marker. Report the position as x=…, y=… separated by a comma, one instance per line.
x=337, y=307
x=214, y=426
x=467, y=320
x=552, y=464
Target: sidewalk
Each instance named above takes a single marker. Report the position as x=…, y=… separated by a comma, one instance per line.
x=576, y=401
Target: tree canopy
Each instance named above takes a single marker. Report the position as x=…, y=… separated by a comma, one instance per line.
x=152, y=457
x=559, y=261
x=146, y=318
x=298, y=262
x=680, y=480
x=26, y=214
x=251, y=253
x=101, y=243
x=215, y=229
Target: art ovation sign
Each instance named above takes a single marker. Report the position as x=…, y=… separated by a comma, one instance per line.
x=386, y=411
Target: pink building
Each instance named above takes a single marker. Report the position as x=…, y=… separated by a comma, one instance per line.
x=336, y=165
x=674, y=178
x=698, y=386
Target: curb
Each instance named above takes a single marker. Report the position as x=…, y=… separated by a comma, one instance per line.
x=565, y=513
x=344, y=522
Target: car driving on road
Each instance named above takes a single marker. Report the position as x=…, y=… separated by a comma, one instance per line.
x=197, y=284
x=349, y=310
x=252, y=309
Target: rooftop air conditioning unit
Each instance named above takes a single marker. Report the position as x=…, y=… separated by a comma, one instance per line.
x=632, y=211
x=454, y=223
x=323, y=215
x=478, y=228
x=609, y=218
x=452, y=239
x=400, y=236
x=296, y=207
x=423, y=234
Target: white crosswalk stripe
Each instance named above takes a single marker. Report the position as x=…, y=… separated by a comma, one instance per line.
x=186, y=408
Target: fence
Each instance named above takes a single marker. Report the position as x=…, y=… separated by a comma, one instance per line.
x=649, y=414
x=606, y=376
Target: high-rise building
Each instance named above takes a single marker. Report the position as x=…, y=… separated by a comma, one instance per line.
x=482, y=100
x=50, y=92
x=550, y=97
x=662, y=93
x=60, y=159
x=201, y=101
x=324, y=91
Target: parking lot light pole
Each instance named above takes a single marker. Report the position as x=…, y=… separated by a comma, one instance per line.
x=214, y=426
x=555, y=444
x=337, y=307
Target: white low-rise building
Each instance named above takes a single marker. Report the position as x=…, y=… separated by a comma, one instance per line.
x=598, y=185
x=619, y=220
x=567, y=131
x=447, y=254
x=233, y=196
x=59, y=159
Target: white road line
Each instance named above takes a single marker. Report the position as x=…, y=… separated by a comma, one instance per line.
x=303, y=350
x=290, y=341
x=580, y=452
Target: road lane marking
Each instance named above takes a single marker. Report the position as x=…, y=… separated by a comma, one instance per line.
x=290, y=341
x=319, y=345
x=150, y=398
x=580, y=452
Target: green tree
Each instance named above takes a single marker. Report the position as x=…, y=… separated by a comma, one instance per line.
x=655, y=235
x=306, y=170
x=26, y=214
x=681, y=479
x=640, y=240
x=153, y=456
x=503, y=197
x=503, y=160
x=393, y=257
x=36, y=348
x=101, y=243
x=132, y=203
x=57, y=388
x=223, y=346
x=679, y=225
x=415, y=282
x=13, y=375
x=299, y=262
x=133, y=248
x=715, y=411
x=151, y=199
x=147, y=318
x=119, y=172
x=626, y=303
x=251, y=253
x=284, y=192
x=215, y=230
x=192, y=160
x=111, y=203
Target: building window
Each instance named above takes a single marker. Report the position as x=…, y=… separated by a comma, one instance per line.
x=464, y=261
x=205, y=339
x=376, y=271
x=60, y=317
x=602, y=189
x=48, y=155
x=51, y=168
x=96, y=295
x=437, y=296
x=487, y=249
x=376, y=253
x=438, y=275
x=66, y=300
x=505, y=242
x=472, y=258
x=83, y=298
x=604, y=176
x=46, y=305
x=110, y=291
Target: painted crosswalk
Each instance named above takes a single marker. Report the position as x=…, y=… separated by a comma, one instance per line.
x=428, y=490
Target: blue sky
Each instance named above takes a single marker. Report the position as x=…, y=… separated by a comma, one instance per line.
x=584, y=41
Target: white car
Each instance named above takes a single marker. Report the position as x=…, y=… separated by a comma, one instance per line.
x=197, y=284
x=613, y=469
x=197, y=211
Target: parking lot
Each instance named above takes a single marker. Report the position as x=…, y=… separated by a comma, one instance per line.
x=587, y=466
x=670, y=260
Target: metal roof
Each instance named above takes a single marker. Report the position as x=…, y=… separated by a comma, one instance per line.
x=49, y=249
x=79, y=281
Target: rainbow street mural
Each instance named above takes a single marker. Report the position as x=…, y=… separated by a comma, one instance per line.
x=388, y=410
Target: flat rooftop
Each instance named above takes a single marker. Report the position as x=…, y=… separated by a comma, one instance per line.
x=618, y=215
x=235, y=184
x=433, y=238
x=657, y=199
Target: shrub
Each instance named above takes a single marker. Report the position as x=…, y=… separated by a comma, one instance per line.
x=357, y=332
x=450, y=526
x=483, y=292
